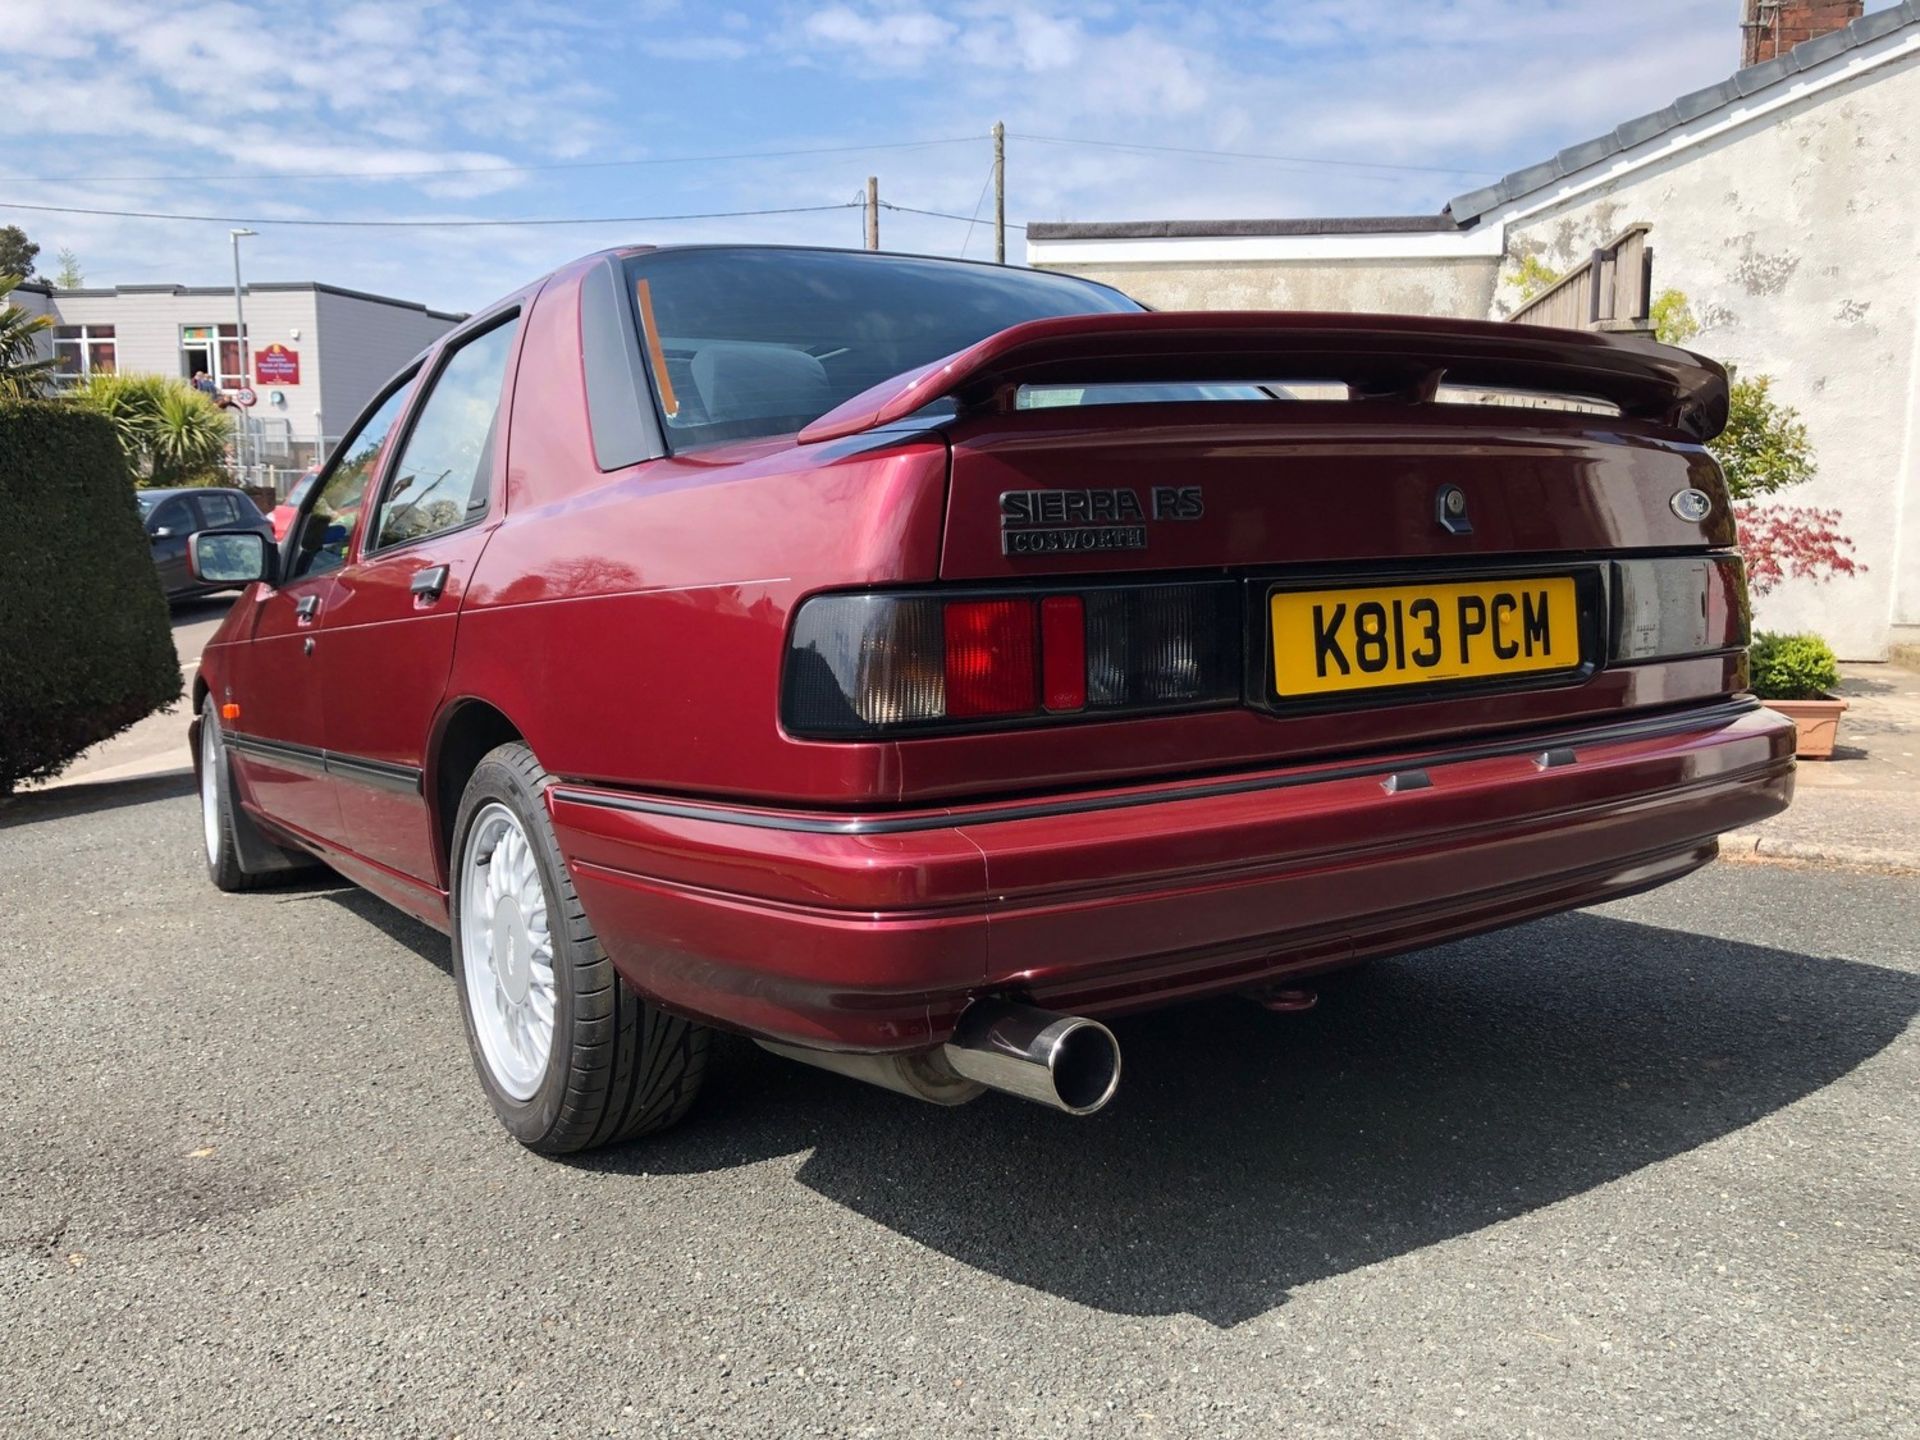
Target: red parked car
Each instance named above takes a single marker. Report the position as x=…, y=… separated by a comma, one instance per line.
x=282, y=514
x=908, y=663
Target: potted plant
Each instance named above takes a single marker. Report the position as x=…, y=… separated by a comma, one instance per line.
x=1793, y=675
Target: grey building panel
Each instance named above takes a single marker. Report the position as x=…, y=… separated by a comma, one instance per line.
x=363, y=343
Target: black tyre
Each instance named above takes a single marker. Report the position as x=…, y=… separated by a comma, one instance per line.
x=570, y=1057
x=238, y=856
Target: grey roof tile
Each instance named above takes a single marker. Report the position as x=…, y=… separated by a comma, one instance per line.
x=1836, y=42
x=1767, y=72
x=1578, y=157
x=1475, y=202
x=1880, y=22
x=1645, y=127
x=1695, y=103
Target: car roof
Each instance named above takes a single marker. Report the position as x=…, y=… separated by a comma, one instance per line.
x=167, y=493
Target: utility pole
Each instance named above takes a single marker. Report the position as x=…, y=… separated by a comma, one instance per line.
x=999, y=192
x=241, y=457
x=873, y=212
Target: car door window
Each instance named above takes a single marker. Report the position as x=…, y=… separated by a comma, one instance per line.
x=217, y=509
x=173, y=517
x=440, y=479
x=326, y=534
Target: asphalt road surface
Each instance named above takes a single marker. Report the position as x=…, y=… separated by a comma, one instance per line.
x=1646, y=1170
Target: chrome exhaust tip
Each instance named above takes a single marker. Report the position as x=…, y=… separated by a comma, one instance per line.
x=1065, y=1061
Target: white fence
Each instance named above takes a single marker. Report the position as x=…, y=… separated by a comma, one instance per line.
x=265, y=451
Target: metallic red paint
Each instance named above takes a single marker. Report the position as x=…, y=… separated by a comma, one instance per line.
x=630, y=624
x=876, y=941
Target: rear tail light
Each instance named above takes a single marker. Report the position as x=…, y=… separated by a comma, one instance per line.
x=1687, y=605
x=861, y=666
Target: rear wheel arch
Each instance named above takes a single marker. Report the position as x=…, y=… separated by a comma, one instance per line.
x=465, y=730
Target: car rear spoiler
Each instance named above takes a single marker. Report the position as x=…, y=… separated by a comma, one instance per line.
x=1379, y=357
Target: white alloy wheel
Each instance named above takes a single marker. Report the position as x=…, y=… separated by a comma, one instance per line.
x=507, y=951
x=210, y=788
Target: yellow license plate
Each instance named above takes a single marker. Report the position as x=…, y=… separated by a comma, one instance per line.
x=1375, y=635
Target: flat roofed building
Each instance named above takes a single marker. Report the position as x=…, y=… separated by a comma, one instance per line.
x=318, y=353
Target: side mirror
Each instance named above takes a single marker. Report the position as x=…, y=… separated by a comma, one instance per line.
x=161, y=532
x=231, y=557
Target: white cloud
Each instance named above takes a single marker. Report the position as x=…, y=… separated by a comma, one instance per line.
x=111, y=88
x=894, y=38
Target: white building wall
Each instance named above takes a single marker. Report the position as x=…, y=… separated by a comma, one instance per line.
x=1796, y=241
x=1394, y=285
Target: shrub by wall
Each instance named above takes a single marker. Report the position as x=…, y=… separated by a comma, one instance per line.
x=85, y=644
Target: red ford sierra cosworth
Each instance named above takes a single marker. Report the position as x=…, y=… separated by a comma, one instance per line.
x=907, y=663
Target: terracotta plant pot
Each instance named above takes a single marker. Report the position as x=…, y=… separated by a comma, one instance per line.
x=1816, y=722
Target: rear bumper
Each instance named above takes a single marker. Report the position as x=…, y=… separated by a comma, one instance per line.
x=871, y=932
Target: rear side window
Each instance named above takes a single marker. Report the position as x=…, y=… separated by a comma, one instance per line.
x=439, y=481
x=749, y=342
x=219, y=508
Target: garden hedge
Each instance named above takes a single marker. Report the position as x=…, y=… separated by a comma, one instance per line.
x=86, y=647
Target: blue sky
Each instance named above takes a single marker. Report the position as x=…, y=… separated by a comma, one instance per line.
x=101, y=91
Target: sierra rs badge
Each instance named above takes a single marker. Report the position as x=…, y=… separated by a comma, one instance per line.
x=1055, y=522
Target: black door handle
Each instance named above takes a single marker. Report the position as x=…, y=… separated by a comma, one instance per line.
x=428, y=584
x=308, y=607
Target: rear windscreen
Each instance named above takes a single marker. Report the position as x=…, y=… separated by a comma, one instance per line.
x=753, y=342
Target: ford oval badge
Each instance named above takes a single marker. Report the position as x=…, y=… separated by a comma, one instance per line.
x=1691, y=505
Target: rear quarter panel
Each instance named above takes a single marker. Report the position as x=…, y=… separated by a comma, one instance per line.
x=630, y=623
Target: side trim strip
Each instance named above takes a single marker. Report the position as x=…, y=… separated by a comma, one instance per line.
x=1038, y=809
x=281, y=752
x=381, y=774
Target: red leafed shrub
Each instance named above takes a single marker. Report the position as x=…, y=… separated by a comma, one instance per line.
x=1792, y=542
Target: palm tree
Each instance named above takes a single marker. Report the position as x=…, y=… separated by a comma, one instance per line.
x=172, y=434
x=23, y=373
x=187, y=436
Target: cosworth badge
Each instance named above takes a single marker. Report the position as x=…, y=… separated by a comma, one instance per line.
x=1052, y=522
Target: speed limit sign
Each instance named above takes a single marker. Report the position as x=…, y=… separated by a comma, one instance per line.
x=244, y=396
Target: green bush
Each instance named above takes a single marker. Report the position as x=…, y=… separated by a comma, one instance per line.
x=1792, y=667
x=86, y=648
x=172, y=434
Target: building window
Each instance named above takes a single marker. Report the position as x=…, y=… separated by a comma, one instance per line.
x=214, y=351
x=83, y=350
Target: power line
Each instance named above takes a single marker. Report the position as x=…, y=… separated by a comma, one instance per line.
x=1318, y=161
x=974, y=219
x=497, y=169
x=941, y=214
x=421, y=224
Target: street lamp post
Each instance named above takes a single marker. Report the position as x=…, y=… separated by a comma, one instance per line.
x=240, y=444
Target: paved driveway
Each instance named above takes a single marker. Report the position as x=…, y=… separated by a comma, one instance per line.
x=1644, y=1170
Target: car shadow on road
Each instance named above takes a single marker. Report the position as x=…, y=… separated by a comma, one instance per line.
x=425, y=941
x=1249, y=1153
